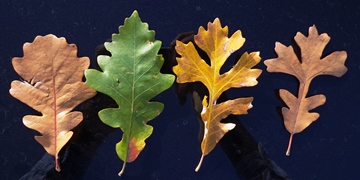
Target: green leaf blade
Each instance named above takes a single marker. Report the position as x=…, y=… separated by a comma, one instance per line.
x=131, y=76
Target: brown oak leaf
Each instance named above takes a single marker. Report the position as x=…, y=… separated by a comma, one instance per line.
x=53, y=86
x=297, y=116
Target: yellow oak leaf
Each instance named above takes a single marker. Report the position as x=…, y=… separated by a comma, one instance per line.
x=191, y=68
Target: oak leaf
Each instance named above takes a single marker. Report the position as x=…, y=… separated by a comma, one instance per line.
x=297, y=116
x=53, y=86
x=131, y=76
x=192, y=68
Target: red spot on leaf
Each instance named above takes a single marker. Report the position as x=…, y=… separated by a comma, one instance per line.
x=133, y=151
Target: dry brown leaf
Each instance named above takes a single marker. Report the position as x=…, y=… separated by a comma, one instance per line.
x=297, y=116
x=53, y=86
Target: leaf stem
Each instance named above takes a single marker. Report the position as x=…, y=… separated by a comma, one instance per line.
x=289, y=146
x=57, y=165
x=199, y=165
x=122, y=169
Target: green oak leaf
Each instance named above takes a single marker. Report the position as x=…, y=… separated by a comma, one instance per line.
x=131, y=76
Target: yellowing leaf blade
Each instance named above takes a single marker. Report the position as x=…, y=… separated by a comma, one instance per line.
x=216, y=44
x=241, y=75
x=191, y=68
x=214, y=129
x=197, y=69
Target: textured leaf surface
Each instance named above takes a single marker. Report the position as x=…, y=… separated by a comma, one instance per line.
x=131, y=76
x=53, y=86
x=192, y=68
x=297, y=116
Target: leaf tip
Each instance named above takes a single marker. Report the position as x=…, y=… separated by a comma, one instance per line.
x=217, y=21
x=278, y=45
x=227, y=127
x=313, y=30
x=250, y=105
x=135, y=13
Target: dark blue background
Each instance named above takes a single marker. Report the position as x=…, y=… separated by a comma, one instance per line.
x=328, y=149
